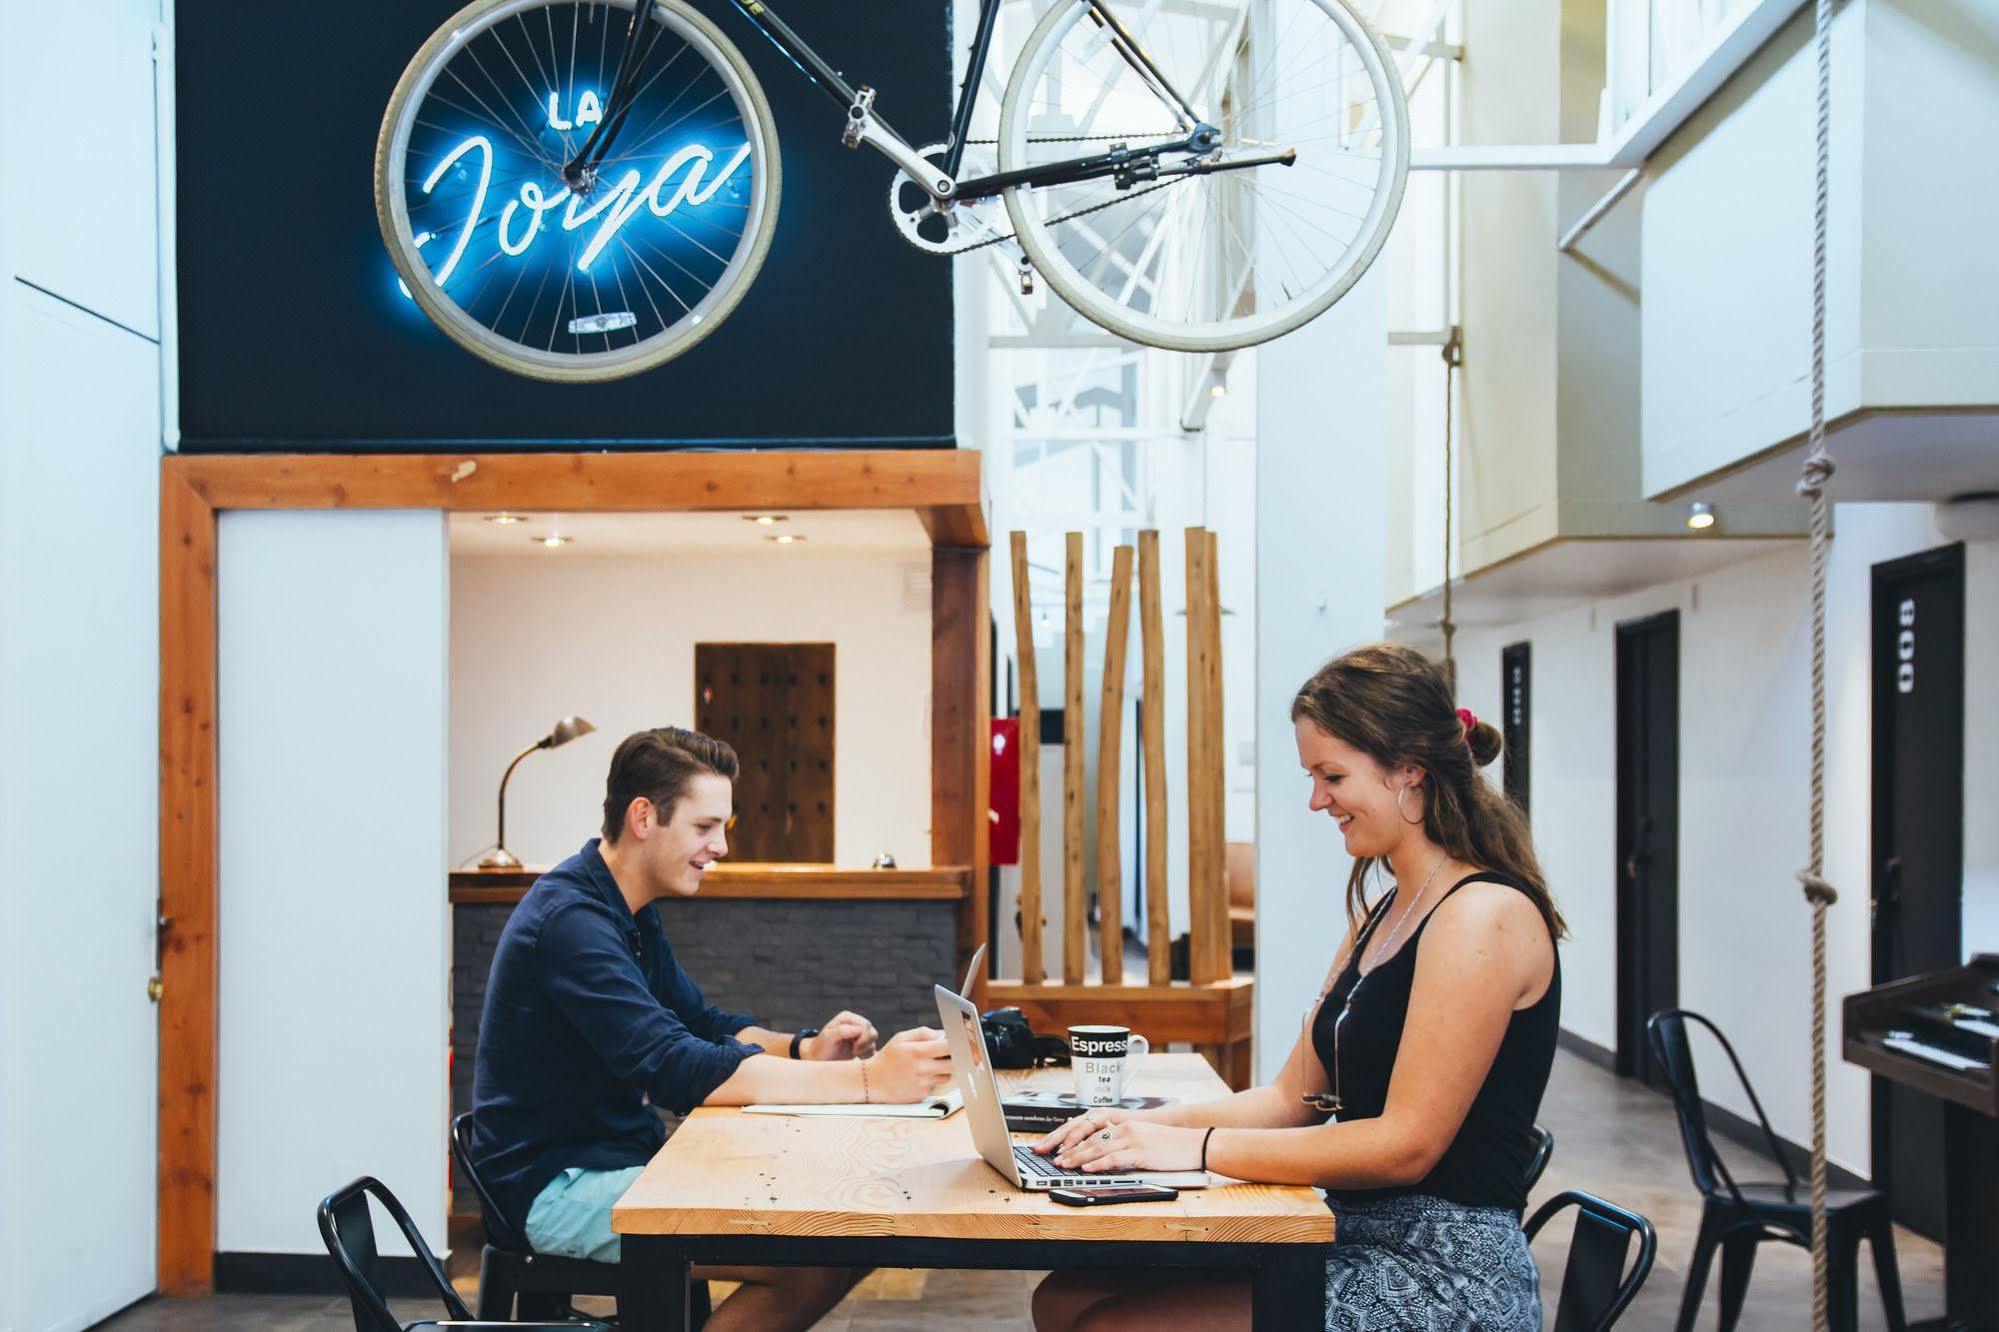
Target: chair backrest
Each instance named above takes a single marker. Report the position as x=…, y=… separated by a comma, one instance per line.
x=498, y=1233
x=1666, y=1033
x=1537, y=1161
x=349, y=1231
x=1596, y=1285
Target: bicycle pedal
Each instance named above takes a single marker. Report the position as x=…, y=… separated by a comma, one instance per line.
x=858, y=116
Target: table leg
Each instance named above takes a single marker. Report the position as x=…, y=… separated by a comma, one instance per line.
x=1971, y=1217
x=656, y=1286
x=1289, y=1289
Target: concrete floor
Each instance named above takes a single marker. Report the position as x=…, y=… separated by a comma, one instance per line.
x=1612, y=1138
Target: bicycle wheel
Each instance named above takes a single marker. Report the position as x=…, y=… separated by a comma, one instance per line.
x=638, y=264
x=1205, y=257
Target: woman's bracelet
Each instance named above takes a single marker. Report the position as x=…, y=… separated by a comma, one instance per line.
x=1204, y=1145
x=867, y=1098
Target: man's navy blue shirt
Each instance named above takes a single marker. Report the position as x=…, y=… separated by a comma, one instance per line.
x=588, y=1023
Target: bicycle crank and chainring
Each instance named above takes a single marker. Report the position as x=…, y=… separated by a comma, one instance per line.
x=950, y=228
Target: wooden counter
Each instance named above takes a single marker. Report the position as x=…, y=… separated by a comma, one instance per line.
x=943, y=883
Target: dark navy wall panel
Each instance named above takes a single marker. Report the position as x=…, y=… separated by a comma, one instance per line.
x=293, y=334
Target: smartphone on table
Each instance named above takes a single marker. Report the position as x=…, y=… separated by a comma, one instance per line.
x=1104, y=1195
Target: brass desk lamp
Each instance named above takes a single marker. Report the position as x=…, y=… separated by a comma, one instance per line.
x=565, y=730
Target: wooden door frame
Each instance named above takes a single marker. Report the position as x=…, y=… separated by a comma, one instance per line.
x=943, y=487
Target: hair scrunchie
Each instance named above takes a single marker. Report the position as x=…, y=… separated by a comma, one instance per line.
x=1470, y=720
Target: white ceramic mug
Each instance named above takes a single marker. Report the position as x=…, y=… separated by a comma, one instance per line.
x=1104, y=1060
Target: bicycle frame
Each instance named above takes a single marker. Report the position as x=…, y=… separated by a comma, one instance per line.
x=865, y=127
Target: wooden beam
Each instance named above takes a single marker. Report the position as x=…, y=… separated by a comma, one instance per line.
x=1031, y=945
x=1205, y=890
x=186, y=1254
x=1152, y=740
x=1217, y=1014
x=955, y=525
x=1075, y=949
x=1214, y=924
x=1110, y=757
x=961, y=734
x=941, y=485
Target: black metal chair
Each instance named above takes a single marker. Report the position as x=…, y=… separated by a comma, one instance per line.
x=1596, y=1287
x=510, y=1271
x=1537, y=1164
x=348, y=1228
x=1737, y=1217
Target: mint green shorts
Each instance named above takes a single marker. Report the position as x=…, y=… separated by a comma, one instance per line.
x=571, y=1218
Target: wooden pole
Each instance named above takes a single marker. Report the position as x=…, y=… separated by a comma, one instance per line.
x=1075, y=949
x=1152, y=738
x=1030, y=770
x=1221, y=944
x=1204, y=889
x=1110, y=759
x=1196, y=551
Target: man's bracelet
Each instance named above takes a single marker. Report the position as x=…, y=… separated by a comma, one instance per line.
x=867, y=1098
x=1204, y=1147
x=801, y=1038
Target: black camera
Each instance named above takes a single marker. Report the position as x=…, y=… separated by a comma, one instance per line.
x=1013, y=1044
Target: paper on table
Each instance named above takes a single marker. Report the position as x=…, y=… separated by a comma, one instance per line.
x=935, y=1107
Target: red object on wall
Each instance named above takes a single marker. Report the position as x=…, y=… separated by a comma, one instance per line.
x=1004, y=816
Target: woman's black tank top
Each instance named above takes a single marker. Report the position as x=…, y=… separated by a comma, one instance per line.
x=1486, y=1164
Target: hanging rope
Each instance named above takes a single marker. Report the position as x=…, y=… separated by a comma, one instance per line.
x=1454, y=356
x=1818, y=469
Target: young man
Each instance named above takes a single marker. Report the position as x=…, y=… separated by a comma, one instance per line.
x=589, y=1023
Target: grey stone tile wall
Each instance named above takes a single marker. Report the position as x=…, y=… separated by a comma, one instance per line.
x=789, y=964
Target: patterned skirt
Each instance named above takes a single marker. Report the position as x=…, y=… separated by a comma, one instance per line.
x=1422, y=1263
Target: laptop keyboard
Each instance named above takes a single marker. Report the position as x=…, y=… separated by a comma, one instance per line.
x=1032, y=1162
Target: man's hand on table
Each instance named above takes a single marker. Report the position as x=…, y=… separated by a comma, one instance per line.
x=845, y=1036
x=913, y=1064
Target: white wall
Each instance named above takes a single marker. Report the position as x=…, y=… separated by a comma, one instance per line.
x=1744, y=723
x=79, y=671
x=1727, y=213
x=535, y=638
x=335, y=938
x=79, y=679
x=1321, y=549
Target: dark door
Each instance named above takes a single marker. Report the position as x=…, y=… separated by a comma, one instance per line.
x=1648, y=833
x=1918, y=839
x=773, y=703
x=1516, y=683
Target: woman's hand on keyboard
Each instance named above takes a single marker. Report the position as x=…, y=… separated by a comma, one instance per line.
x=1126, y=1143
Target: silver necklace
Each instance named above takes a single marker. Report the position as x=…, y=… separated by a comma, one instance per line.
x=1330, y=1101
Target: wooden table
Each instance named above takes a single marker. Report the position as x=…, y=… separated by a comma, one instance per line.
x=730, y=1188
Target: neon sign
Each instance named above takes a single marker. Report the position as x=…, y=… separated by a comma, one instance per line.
x=690, y=176
x=588, y=111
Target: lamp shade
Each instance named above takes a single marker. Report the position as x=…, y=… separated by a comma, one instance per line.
x=568, y=729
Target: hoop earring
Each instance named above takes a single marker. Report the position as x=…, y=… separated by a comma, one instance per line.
x=1401, y=813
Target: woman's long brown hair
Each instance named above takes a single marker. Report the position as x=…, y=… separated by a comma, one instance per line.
x=1392, y=703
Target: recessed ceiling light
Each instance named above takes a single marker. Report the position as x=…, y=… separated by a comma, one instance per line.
x=766, y=519
x=1700, y=515
x=506, y=519
x=551, y=542
x=786, y=538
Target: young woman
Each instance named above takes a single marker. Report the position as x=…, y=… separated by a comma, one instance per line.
x=1411, y=1095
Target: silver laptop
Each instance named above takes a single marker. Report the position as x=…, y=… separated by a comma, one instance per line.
x=1022, y=1165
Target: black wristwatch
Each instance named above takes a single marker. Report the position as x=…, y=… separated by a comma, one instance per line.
x=807, y=1034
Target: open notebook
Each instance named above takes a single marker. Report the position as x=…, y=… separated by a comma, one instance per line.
x=933, y=1107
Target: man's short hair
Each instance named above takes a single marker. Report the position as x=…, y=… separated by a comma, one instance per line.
x=660, y=765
